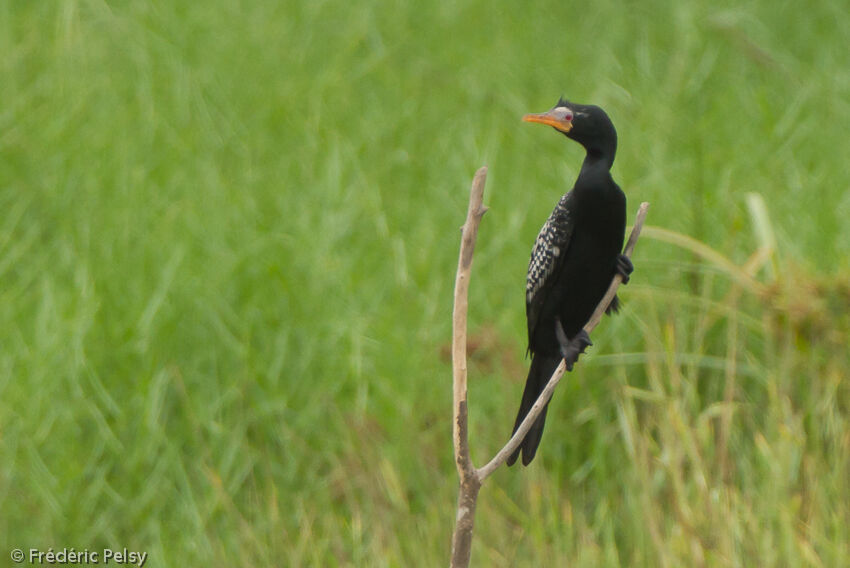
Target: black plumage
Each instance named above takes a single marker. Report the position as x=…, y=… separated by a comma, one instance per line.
x=576, y=255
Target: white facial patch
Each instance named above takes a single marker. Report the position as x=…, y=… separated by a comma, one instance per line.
x=563, y=112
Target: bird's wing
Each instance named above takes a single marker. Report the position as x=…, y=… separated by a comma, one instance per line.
x=546, y=257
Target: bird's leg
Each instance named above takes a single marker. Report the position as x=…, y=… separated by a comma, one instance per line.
x=624, y=267
x=571, y=348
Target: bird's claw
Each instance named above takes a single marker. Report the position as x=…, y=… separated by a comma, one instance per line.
x=571, y=348
x=624, y=267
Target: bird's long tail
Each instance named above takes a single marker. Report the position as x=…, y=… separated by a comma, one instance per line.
x=539, y=373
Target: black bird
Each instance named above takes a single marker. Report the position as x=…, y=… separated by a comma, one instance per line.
x=576, y=255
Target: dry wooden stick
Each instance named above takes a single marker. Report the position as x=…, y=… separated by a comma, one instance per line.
x=469, y=481
x=470, y=477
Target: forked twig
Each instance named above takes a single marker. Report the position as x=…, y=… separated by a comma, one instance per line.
x=470, y=477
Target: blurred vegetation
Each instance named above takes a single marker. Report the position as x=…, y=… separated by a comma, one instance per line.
x=228, y=234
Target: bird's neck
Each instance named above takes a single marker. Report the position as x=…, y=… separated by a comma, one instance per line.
x=601, y=149
x=598, y=159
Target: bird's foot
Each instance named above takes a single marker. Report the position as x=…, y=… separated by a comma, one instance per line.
x=624, y=267
x=571, y=348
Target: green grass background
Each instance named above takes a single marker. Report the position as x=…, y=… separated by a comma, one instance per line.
x=228, y=236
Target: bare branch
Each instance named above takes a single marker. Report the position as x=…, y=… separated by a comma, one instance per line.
x=528, y=421
x=470, y=477
x=461, y=305
x=469, y=481
x=618, y=279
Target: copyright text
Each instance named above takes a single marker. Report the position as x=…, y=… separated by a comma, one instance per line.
x=65, y=556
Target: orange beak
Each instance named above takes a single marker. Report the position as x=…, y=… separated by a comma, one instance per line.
x=549, y=118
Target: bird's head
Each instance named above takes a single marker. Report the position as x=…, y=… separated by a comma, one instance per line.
x=588, y=125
